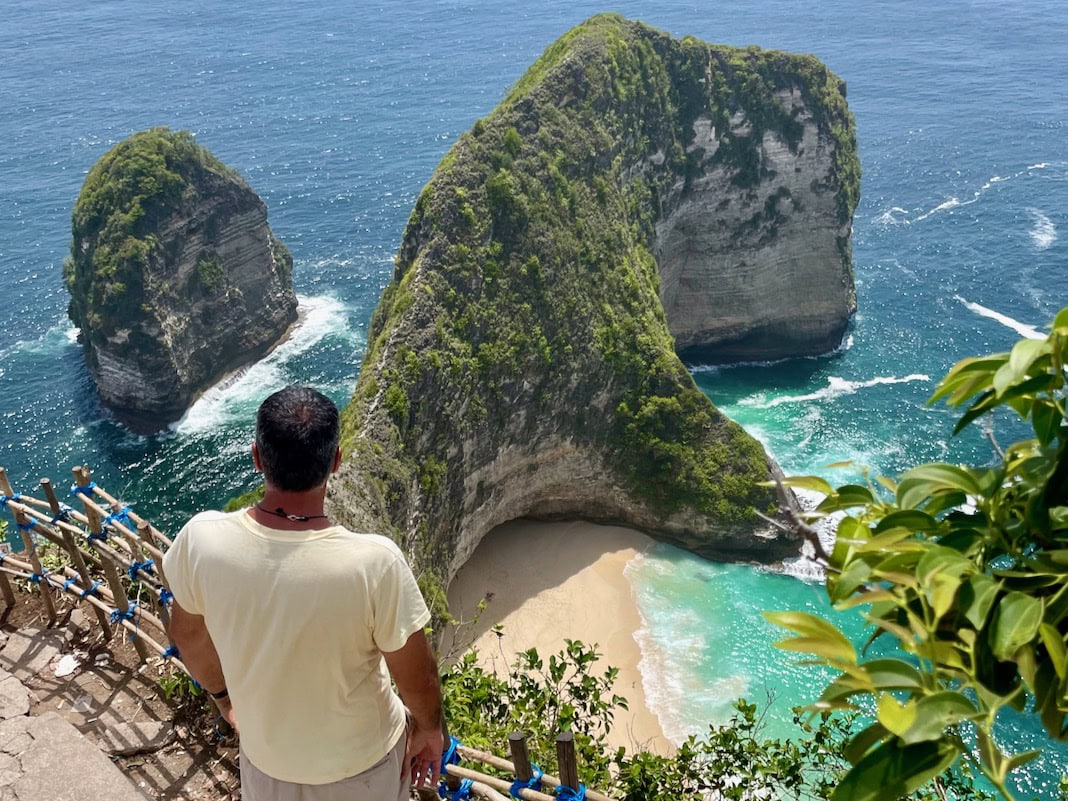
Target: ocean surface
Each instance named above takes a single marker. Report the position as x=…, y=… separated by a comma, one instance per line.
x=337, y=114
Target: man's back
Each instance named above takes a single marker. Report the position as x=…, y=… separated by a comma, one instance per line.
x=299, y=620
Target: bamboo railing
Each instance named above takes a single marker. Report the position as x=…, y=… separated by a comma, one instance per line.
x=108, y=550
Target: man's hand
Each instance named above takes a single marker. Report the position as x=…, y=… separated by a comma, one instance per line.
x=423, y=755
x=226, y=711
x=415, y=672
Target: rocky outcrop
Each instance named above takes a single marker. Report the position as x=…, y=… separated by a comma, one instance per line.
x=522, y=362
x=175, y=276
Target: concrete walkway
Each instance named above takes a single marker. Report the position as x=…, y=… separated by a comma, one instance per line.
x=46, y=759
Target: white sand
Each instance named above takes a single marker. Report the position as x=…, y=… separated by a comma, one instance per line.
x=549, y=582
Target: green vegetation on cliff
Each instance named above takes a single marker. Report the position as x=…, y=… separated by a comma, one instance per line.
x=525, y=304
x=125, y=196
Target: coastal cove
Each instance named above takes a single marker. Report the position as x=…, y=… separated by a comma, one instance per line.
x=337, y=117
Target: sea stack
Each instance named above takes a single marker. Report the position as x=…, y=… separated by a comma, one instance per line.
x=632, y=195
x=174, y=275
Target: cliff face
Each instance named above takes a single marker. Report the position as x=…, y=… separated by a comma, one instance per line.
x=522, y=361
x=175, y=276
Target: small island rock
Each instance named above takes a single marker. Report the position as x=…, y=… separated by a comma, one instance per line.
x=174, y=275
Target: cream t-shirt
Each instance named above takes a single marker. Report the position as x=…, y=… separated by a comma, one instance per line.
x=300, y=620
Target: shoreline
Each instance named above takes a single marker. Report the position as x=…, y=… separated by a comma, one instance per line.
x=552, y=581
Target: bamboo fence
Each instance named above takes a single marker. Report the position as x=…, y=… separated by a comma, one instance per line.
x=105, y=552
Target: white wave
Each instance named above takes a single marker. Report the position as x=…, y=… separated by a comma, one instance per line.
x=843, y=346
x=1024, y=330
x=236, y=395
x=1040, y=166
x=952, y=203
x=888, y=218
x=836, y=387
x=73, y=334
x=1043, y=233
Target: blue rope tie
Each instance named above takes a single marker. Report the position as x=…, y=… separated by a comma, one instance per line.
x=117, y=614
x=462, y=792
x=75, y=490
x=450, y=757
x=29, y=525
x=5, y=498
x=91, y=590
x=67, y=584
x=566, y=793
x=171, y=651
x=64, y=514
x=533, y=784
x=37, y=578
x=99, y=536
x=165, y=596
x=146, y=566
x=121, y=516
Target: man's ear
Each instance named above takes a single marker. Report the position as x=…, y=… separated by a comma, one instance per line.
x=337, y=460
x=256, y=458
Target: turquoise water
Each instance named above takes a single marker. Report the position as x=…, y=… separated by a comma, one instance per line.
x=337, y=114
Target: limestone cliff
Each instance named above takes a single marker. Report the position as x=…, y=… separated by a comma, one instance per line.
x=175, y=276
x=522, y=361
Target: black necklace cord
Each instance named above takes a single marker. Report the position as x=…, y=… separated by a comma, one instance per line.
x=280, y=512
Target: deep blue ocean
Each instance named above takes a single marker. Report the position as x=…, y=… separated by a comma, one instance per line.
x=337, y=113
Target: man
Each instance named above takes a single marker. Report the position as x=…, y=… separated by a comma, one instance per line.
x=294, y=625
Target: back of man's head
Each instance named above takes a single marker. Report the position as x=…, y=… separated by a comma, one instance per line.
x=297, y=431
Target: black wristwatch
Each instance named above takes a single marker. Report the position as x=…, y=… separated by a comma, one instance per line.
x=223, y=693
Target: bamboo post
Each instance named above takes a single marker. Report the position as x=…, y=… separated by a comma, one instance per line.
x=565, y=756
x=118, y=592
x=24, y=523
x=75, y=554
x=5, y=588
x=517, y=743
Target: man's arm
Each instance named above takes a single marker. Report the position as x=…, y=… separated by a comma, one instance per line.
x=200, y=657
x=415, y=672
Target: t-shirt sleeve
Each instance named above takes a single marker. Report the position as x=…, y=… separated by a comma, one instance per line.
x=399, y=609
x=178, y=567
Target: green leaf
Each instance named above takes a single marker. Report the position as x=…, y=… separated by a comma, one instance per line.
x=934, y=713
x=813, y=483
x=977, y=598
x=1046, y=419
x=1055, y=646
x=860, y=745
x=814, y=633
x=1016, y=622
x=1061, y=321
x=945, y=561
x=1022, y=355
x=910, y=519
x=892, y=674
x=945, y=476
x=971, y=372
x=898, y=718
x=890, y=771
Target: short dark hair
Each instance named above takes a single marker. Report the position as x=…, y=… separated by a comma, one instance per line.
x=297, y=430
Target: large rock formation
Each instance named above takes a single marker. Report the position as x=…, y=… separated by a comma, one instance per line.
x=522, y=361
x=175, y=277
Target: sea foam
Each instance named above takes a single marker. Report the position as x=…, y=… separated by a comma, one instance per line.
x=1043, y=232
x=238, y=394
x=836, y=387
x=1024, y=330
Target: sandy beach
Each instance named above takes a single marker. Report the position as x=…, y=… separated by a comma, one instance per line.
x=549, y=582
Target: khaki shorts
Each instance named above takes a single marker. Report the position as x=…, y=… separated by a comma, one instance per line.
x=380, y=782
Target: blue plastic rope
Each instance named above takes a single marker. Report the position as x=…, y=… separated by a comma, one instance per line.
x=91, y=590
x=146, y=566
x=64, y=514
x=171, y=651
x=29, y=525
x=566, y=793
x=37, y=578
x=165, y=596
x=5, y=498
x=117, y=615
x=67, y=584
x=121, y=516
x=450, y=757
x=462, y=792
x=75, y=490
x=533, y=784
x=100, y=536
